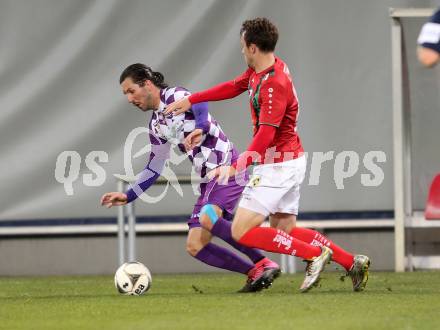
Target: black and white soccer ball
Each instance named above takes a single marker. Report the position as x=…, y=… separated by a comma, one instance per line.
x=133, y=278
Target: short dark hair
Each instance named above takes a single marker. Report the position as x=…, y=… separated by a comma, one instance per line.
x=140, y=73
x=261, y=32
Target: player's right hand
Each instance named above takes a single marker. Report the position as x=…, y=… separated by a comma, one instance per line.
x=178, y=107
x=222, y=174
x=193, y=139
x=113, y=199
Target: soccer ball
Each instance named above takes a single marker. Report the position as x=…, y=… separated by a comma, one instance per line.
x=133, y=278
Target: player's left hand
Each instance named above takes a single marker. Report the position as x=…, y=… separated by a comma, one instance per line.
x=193, y=139
x=178, y=107
x=223, y=173
x=113, y=199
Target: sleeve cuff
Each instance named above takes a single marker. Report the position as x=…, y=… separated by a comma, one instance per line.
x=204, y=127
x=194, y=98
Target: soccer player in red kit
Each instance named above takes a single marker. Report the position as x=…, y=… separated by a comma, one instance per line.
x=274, y=187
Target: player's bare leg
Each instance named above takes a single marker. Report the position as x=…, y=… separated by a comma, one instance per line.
x=197, y=239
x=206, y=216
x=244, y=221
x=284, y=221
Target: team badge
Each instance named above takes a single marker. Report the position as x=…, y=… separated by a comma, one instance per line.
x=255, y=181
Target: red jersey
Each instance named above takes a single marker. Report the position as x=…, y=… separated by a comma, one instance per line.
x=273, y=102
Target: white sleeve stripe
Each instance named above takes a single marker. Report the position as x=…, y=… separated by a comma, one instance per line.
x=430, y=34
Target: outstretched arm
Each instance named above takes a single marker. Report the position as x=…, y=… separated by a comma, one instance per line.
x=223, y=91
x=158, y=155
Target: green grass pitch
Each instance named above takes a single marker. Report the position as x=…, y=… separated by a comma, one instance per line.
x=209, y=301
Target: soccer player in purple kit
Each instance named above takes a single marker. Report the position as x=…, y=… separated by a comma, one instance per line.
x=146, y=90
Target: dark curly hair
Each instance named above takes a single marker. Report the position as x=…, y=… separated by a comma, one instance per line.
x=261, y=32
x=140, y=73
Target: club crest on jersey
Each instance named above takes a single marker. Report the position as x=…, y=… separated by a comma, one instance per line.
x=255, y=181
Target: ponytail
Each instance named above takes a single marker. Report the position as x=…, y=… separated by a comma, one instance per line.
x=158, y=79
x=140, y=73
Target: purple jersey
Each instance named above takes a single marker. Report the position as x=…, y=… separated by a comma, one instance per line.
x=215, y=148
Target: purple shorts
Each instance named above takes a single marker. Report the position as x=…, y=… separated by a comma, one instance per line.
x=224, y=196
